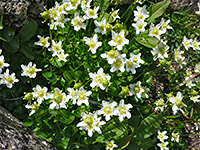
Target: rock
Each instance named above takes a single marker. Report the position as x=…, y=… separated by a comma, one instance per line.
x=15, y=136
x=17, y=12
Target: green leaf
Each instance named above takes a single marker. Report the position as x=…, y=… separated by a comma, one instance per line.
x=20, y=112
x=142, y=144
x=28, y=31
x=148, y=126
x=7, y=34
x=147, y=41
x=54, y=61
x=26, y=49
x=69, y=76
x=157, y=10
x=47, y=74
x=12, y=46
x=65, y=117
x=60, y=141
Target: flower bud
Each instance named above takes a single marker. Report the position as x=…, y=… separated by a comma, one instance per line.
x=105, y=83
x=77, y=85
x=118, y=27
x=45, y=14
x=125, y=91
x=108, y=27
x=28, y=96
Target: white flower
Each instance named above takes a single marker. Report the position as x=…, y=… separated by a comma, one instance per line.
x=118, y=40
x=100, y=26
x=107, y=109
x=139, y=26
x=77, y=22
x=195, y=44
x=56, y=48
x=40, y=93
x=189, y=83
x=198, y=12
x=99, y=78
x=85, y=4
x=177, y=102
x=195, y=98
x=197, y=68
x=91, y=123
x=110, y=55
x=29, y=70
x=175, y=137
x=141, y=13
x=160, y=104
x=60, y=21
x=58, y=99
x=138, y=1
x=52, y=26
x=160, y=51
x=164, y=25
x=179, y=58
x=83, y=96
x=123, y=110
x=71, y=4
x=155, y=31
x=118, y=63
x=114, y=14
x=91, y=13
x=161, y=136
x=8, y=79
x=92, y=43
x=54, y=13
x=163, y=146
x=187, y=42
x=43, y=41
x=34, y=107
x=110, y=145
x=2, y=63
x=62, y=57
x=73, y=94
x=136, y=89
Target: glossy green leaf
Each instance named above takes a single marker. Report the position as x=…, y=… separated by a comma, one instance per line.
x=148, y=126
x=55, y=62
x=12, y=46
x=147, y=41
x=7, y=34
x=65, y=117
x=28, y=31
x=157, y=10
x=61, y=142
x=26, y=49
x=142, y=144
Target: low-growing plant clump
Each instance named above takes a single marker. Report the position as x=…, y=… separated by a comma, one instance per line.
x=105, y=76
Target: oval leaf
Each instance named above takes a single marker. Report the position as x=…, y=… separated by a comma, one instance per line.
x=147, y=41
x=12, y=46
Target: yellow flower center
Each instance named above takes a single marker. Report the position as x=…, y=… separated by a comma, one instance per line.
x=112, y=54
x=73, y=2
x=58, y=97
x=101, y=27
x=162, y=145
x=78, y=22
x=178, y=102
x=31, y=70
x=118, y=63
x=35, y=107
x=107, y=110
x=89, y=120
x=136, y=89
x=43, y=42
x=82, y=96
x=110, y=145
x=186, y=43
x=92, y=44
x=41, y=93
x=155, y=31
x=164, y=25
x=91, y=12
x=122, y=110
x=10, y=80
x=135, y=60
x=118, y=39
x=194, y=44
x=130, y=64
x=140, y=16
x=1, y=64
x=139, y=25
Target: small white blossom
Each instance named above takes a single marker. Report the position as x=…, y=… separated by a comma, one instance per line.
x=123, y=110
x=160, y=104
x=114, y=14
x=60, y=21
x=77, y=22
x=164, y=25
x=197, y=68
x=56, y=48
x=62, y=57
x=43, y=41
x=2, y=63
x=100, y=26
x=91, y=123
x=195, y=99
x=163, y=146
x=139, y=26
x=136, y=89
x=40, y=93
x=8, y=79
x=73, y=94
x=161, y=135
x=141, y=13
x=83, y=96
x=91, y=13
x=92, y=43
x=107, y=109
x=29, y=70
x=71, y=4
x=85, y=4
x=110, y=145
x=195, y=44
x=177, y=102
x=187, y=42
x=118, y=63
x=58, y=99
x=175, y=137
x=100, y=79
x=155, y=31
x=118, y=40
x=110, y=55
x=198, y=12
x=34, y=107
